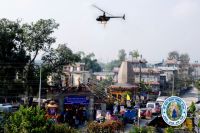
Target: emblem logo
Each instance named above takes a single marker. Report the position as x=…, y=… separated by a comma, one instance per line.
x=174, y=111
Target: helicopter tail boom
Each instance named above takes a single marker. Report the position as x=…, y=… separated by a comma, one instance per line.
x=123, y=17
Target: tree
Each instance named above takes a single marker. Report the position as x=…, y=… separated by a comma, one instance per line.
x=192, y=109
x=37, y=38
x=110, y=65
x=13, y=57
x=173, y=55
x=197, y=84
x=55, y=59
x=135, y=54
x=184, y=75
x=91, y=63
x=122, y=55
x=105, y=83
x=184, y=59
x=26, y=120
x=184, y=69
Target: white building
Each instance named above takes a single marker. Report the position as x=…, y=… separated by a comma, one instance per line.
x=103, y=75
x=75, y=75
x=196, y=71
x=150, y=76
x=168, y=72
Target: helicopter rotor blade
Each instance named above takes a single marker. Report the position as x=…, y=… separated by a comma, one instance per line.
x=102, y=10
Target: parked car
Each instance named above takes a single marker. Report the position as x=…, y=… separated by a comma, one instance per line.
x=5, y=108
x=155, y=106
x=131, y=116
x=197, y=105
x=161, y=99
x=146, y=113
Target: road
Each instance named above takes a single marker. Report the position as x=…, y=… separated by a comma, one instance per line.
x=143, y=122
x=190, y=96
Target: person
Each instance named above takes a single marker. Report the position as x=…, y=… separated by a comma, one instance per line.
x=84, y=116
x=76, y=122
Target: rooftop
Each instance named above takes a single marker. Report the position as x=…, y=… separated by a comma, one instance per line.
x=171, y=61
x=147, y=70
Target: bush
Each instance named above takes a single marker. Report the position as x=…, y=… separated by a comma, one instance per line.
x=169, y=130
x=192, y=108
x=110, y=126
x=146, y=129
x=61, y=128
x=26, y=120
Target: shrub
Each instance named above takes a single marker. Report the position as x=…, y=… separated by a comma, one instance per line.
x=192, y=108
x=26, y=120
x=61, y=128
x=169, y=130
x=110, y=126
x=146, y=129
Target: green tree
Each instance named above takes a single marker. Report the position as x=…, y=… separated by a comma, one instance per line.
x=91, y=63
x=197, y=84
x=122, y=55
x=37, y=37
x=135, y=54
x=13, y=57
x=55, y=59
x=146, y=129
x=192, y=109
x=169, y=130
x=173, y=55
x=26, y=120
x=110, y=65
x=184, y=69
x=184, y=75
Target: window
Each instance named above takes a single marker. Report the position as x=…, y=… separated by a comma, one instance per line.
x=151, y=105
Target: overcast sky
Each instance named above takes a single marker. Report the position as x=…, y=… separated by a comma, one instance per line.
x=153, y=27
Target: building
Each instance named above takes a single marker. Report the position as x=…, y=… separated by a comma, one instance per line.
x=103, y=75
x=125, y=82
x=75, y=74
x=78, y=94
x=196, y=71
x=149, y=76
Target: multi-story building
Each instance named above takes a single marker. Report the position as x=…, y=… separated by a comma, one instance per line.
x=149, y=76
x=196, y=71
x=103, y=75
x=74, y=75
x=131, y=74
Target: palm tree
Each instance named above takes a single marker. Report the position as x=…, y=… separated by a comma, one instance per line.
x=136, y=54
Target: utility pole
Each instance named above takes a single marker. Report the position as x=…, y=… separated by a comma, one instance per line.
x=140, y=61
x=39, y=97
x=173, y=84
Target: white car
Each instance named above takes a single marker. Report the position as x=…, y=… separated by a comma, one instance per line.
x=161, y=99
x=197, y=104
x=154, y=106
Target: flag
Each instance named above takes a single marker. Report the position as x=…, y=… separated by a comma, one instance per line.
x=128, y=97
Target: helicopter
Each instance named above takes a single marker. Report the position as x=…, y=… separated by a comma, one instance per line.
x=105, y=18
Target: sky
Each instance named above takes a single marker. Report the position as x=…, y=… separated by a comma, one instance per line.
x=153, y=27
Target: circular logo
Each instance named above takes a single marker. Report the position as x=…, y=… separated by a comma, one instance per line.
x=174, y=111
